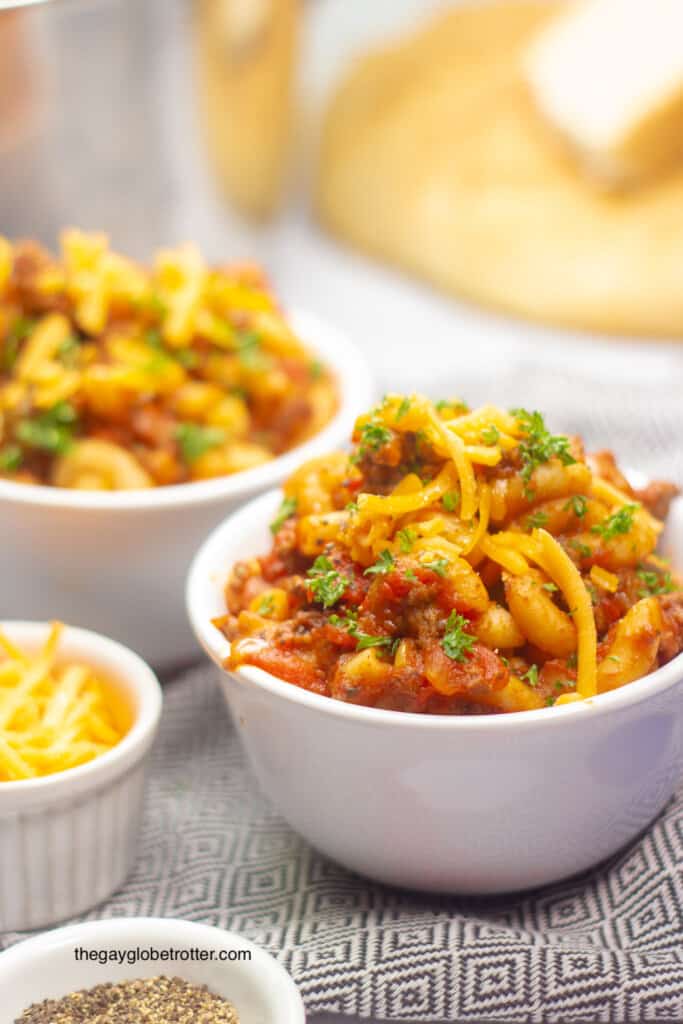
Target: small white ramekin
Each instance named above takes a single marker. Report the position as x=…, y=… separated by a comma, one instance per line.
x=68, y=840
x=447, y=803
x=116, y=561
x=45, y=967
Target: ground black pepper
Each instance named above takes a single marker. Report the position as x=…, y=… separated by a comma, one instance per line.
x=158, y=1000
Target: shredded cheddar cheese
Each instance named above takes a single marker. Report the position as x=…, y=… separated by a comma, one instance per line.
x=53, y=716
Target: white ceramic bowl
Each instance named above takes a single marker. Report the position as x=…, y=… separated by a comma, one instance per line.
x=448, y=804
x=45, y=967
x=116, y=562
x=67, y=841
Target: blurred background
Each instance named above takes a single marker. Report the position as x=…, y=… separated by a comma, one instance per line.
x=171, y=120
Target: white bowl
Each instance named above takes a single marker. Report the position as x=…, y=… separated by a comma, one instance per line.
x=68, y=840
x=454, y=803
x=116, y=562
x=45, y=967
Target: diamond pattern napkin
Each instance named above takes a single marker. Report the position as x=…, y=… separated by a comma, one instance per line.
x=603, y=947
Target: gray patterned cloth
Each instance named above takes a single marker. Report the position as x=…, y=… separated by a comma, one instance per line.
x=603, y=947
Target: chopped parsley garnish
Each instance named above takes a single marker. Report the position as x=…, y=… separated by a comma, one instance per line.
x=365, y=641
x=316, y=369
x=491, y=434
x=52, y=431
x=550, y=587
x=457, y=642
x=20, y=329
x=410, y=575
x=286, y=510
x=577, y=504
x=249, y=350
x=438, y=565
x=384, y=564
x=539, y=445
x=582, y=550
x=153, y=337
x=266, y=605
x=194, y=440
x=450, y=500
x=618, y=523
x=536, y=520
x=455, y=405
x=352, y=506
x=531, y=675
x=406, y=539
x=549, y=701
x=349, y=622
x=325, y=583
x=373, y=436
x=572, y=660
x=187, y=357
x=10, y=458
x=68, y=350
x=402, y=409
x=654, y=583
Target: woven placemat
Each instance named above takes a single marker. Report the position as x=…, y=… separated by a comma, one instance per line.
x=603, y=947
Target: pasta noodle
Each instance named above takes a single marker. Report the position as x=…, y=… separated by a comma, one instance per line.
x=115, y=377
x=457, y=562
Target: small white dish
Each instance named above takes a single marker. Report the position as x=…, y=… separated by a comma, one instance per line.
x=45, y=967
x=68, y=840
x=116, y=561
x=470, y=804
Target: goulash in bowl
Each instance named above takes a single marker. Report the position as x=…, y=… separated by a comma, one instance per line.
x=459, y=562
x=115, y=377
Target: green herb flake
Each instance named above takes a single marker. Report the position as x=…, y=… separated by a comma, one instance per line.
x=582, y=550
x=620, y=522
x=531, y=675
x=315, y=369
x=266, y=605
x=654, y=583
x=325, y=583
x=457, y=642
x=438, y=565
x=373, y=436
x=195, y=440
x=406, y=539
x=51, y=431
x=536, y=520
x=9, y=350
x=539, y=445
x=403, y=409
x=550, y=587
x=187, y=357
x=491, y=434
x=450, y=500
x=365, y=641
x=286, y=510
x=384, y=564
x=11, y=458
x=577, y=504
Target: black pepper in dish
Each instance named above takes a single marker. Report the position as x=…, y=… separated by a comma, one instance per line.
x=143, y=1001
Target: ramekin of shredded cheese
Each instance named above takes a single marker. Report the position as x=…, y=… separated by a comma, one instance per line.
x=78, y=714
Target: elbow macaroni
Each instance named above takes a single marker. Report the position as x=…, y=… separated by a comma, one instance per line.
x=457, y=561
x=113, y=376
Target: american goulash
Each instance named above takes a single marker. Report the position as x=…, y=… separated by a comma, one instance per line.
x=459, y=562
x=54, y=715
x=115, y=377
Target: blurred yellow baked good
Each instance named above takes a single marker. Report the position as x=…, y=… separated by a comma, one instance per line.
x=245, y=65
x=435, y=158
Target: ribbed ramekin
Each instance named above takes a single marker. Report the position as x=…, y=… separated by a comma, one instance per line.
x=68, y=840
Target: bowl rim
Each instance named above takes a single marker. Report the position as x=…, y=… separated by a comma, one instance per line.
x=202, y=580
x=129, y=667
x=169, y=930
x=356, y=392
